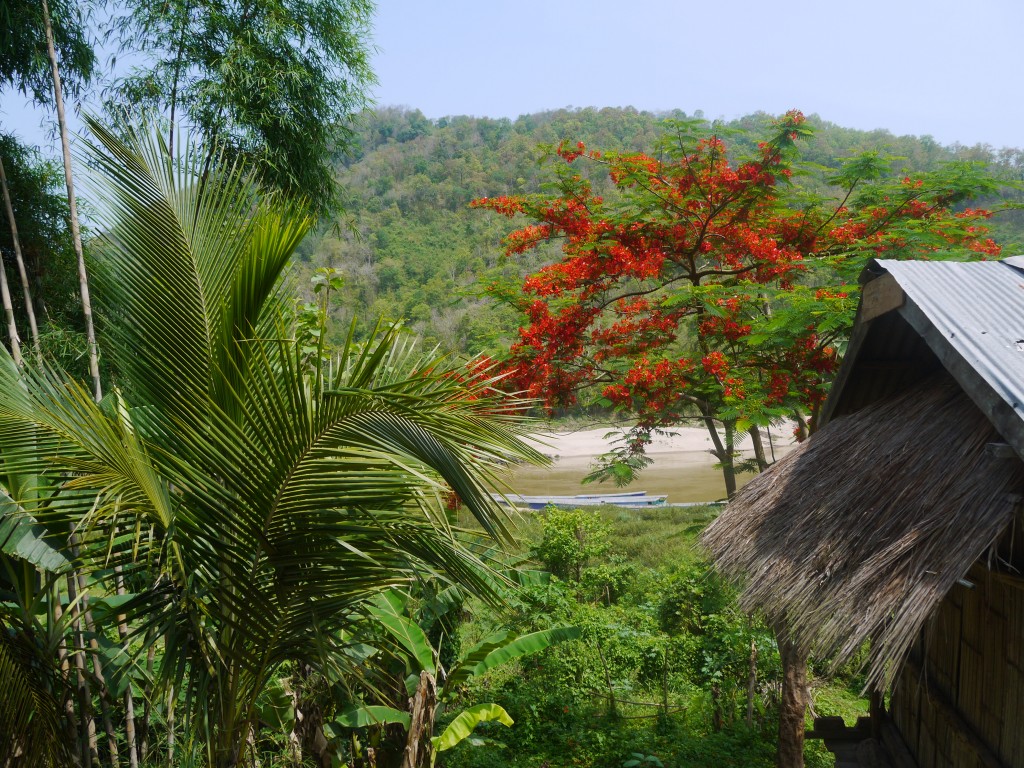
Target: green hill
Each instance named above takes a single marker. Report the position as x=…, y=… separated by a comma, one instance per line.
x=411, y=248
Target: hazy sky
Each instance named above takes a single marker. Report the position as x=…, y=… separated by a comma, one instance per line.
x=947, y=68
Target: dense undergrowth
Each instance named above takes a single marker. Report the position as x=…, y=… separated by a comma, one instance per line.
x=660, y=675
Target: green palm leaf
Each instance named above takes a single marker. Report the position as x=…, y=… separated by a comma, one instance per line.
x=265, y=503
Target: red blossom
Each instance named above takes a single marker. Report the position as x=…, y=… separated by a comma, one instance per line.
x=623, y=302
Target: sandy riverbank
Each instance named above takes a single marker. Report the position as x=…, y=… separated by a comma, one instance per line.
x=589, y=443
x=683, y=467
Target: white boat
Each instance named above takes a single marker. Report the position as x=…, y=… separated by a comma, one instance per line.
x=633, y=499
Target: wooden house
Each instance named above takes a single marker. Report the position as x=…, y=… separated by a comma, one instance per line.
x=898, y=525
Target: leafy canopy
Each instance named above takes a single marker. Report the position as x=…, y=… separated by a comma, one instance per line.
x=713, y=286
x=23, y=58
x=277, y=81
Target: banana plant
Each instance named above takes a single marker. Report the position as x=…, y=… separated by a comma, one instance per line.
x=430, y=687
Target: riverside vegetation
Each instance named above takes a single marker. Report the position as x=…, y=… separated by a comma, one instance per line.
x=666, y=672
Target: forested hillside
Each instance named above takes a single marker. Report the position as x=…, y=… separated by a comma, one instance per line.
x=411, y=248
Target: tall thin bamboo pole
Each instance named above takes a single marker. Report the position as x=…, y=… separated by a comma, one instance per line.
x=70, y=716
x=76, y=234
x=20, y=260
x=129, y=702
x=97, y=668
x=90, y=747
x=12, y=328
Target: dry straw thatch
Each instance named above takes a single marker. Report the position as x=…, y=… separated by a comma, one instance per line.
x=862, y=530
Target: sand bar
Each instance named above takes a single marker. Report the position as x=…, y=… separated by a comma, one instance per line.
x=589, y=443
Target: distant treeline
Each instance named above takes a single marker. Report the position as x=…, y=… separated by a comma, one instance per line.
x=411, y=248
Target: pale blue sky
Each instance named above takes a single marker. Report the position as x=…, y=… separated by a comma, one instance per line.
x=939, y=67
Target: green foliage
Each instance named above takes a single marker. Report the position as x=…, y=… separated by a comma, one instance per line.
x=417, y=253
x=225, y=381
x=571, y=539
x=254, y=504
x=387, y=610
x=399, y=616
x=372, y=715
x=23, y=59
x=30, y=725
x=464, y=723
x=659, y=673
x=22, y=538
x=277, y=81
x=40, y=204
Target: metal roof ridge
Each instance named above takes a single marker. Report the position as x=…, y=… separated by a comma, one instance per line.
x=1014, y=262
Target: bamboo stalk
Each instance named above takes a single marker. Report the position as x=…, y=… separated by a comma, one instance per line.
x=98, y=673
x=129, y=702
x=20, y=260
x=88, y=735
x=76, y=234
x=12, y=328
x=147, y=699
x=70, y=716
x=170, y=726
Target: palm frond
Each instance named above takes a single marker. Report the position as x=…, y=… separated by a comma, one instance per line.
x=257, y=504
x=31, y=730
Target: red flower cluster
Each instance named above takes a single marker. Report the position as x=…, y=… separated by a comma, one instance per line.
x=633, y=289
x=570, y=154
x=505, y=205
x=653, y=389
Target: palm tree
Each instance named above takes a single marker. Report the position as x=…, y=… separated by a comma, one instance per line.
x=254, y=500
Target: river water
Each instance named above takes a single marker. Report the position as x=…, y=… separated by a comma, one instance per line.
x=685, y=476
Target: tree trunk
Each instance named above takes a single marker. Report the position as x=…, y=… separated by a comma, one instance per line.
x=801, y=426
x=76, y=234
x=129, y=701
x=98, y=674
x=70, y=717
x=751, y=684
x=170, y=726
x=90, y=749
x=721, y=451
x=758, y=444
x=307, y=736
x=421, y=725
x=716, y=707
x=148, y=693
x=22, y=272
x=793, y=706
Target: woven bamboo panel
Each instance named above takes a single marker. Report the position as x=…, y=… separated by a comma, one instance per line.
x=989, y=720
x=973, y=651
x=1011, y=746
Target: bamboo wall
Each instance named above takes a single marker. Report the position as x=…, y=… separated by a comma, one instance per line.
x=959, y=701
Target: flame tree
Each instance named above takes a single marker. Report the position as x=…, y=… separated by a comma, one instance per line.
x=713, y=287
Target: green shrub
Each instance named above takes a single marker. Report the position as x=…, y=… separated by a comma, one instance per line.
x=571, y=538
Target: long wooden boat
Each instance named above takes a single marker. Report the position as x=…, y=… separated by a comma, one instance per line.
x=632, y=500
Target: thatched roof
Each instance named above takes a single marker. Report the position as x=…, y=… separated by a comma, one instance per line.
x=862, y=530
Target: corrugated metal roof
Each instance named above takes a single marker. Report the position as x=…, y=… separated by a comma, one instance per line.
x=971, y=314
